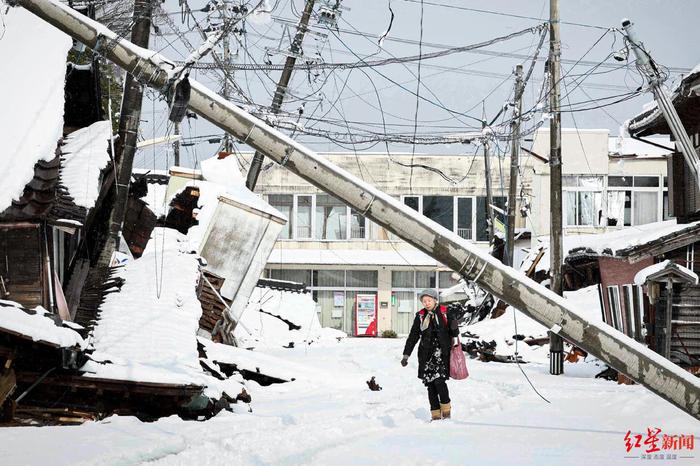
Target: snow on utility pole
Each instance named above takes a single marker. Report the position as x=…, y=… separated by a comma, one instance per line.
x=562, y=316
x=128, y=130
x=226, y=91
x=556, y=343
x=651, y=72
x=294, y=52
x=514, y=165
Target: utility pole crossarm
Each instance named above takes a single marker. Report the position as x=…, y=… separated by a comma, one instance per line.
x=621, y=352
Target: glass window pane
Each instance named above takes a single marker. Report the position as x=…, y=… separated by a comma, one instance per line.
x=283, y=203
x=464, y=217
x=335, y=278
x=412, y=202
x=569, y=208
x=439, y=209
x=358, y=225
x=646, y=208
x=482, y=233
x=591, y=182
x=620, y=181
x=616, y=208
x=446, y=280
x=628, y=208
x=303, y=219
x=569, y=181
x=404, y=301
x=291, y=275
x=646, y=181
x=589, y=208
x=402, y=279
x=331, y=218
x=667, y=214
x=425, y=280
x=665, y=181
x=362, y=278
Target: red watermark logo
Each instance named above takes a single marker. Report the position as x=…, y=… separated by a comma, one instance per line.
x=658, y=446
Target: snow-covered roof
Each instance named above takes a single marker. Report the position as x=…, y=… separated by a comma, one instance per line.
x=407, y=257
x=31, y=92
x=616, y=240
x=651, y=112
x=641, y=277
x=630, y=147
x=38, y=326
x=85, y=155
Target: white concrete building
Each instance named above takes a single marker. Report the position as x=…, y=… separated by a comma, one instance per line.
x=341, y=255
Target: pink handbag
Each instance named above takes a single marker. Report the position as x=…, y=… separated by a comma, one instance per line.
x=458, y=364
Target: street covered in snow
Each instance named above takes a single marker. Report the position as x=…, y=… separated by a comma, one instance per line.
x=329, y=416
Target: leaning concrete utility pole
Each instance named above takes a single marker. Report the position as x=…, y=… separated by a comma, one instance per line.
x=621, y=352
x=556, y=344
x=490, y=217
x=514, y=164
x=129, y=119
x=295, y=49
x=648, y=67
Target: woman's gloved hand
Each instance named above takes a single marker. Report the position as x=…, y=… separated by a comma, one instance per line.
x=404, y=361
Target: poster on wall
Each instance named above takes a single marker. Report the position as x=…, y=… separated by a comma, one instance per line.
x=366, y=315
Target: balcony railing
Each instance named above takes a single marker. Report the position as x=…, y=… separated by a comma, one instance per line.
x=357, y=232
x=465, y=233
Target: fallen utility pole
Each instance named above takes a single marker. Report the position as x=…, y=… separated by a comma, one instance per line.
x=556, y=247
x=648, y=67
x=621, y=352
x=295, y=49
x=514, y=165
x=129, y=119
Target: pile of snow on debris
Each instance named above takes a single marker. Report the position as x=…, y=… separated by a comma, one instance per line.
x=276, y=318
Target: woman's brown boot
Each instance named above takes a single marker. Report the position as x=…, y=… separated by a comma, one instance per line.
x=435, y=415
x=445, y=410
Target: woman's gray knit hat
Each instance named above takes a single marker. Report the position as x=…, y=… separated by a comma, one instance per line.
x=428, y=292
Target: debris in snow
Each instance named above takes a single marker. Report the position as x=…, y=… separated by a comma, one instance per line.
x=373, y=385
x=269, y=315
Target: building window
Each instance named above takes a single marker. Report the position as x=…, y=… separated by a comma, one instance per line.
x=303, y=217
x=291, y=275
x=636, y=200
x=358, y=226
x=614, y=302
x=329, y=278
x=331, y=218
x=583, y=200
x=464, y=217
x=482, y=230
x=362, y=279
x=440, y=210
x=285, y=204
x=413, y=202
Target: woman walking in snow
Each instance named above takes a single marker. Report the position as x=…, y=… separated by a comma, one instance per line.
x=437, y=333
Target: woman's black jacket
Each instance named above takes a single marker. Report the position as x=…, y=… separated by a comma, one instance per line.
x=425, y=348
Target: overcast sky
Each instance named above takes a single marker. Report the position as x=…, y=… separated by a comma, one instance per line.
x=468, y=84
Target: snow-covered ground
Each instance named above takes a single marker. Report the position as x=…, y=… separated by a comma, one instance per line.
x=327, y=416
